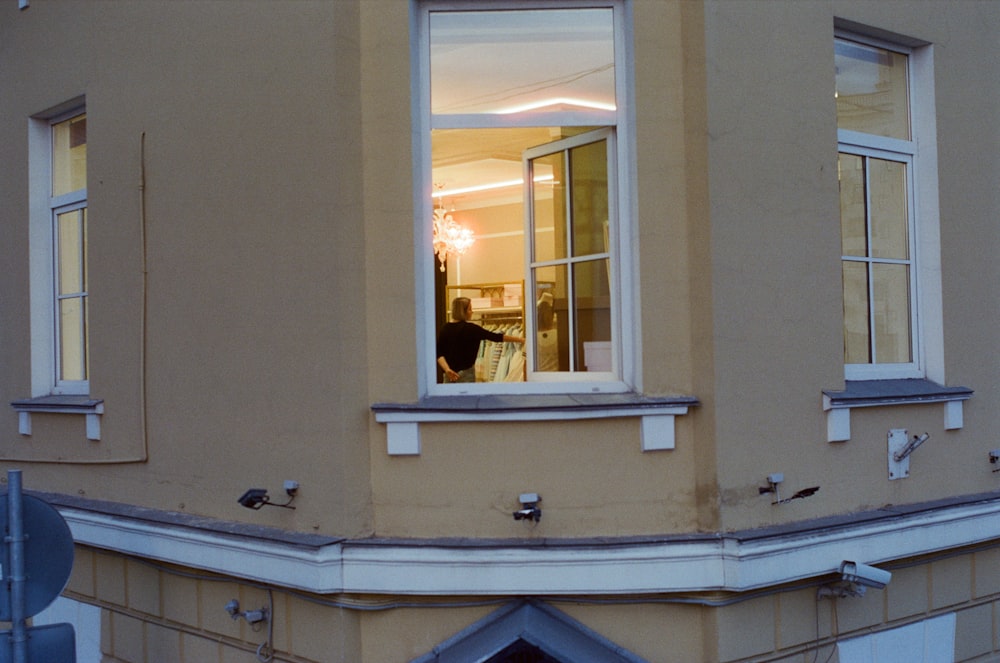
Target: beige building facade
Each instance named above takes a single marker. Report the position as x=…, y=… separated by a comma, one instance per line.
x=751, y=248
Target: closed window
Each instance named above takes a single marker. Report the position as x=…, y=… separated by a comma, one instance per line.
x=879, y=213
x=60, y=299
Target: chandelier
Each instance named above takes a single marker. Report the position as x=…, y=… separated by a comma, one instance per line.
x=449, y=237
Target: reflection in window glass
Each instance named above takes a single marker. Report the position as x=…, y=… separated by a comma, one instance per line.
x=876, y=260
x=589, y=176
x=857, y=337
x=579, y=211
x=549, y=206
x=888, y=209
x=872, y=90
x=891, y=297
x=592, y=314
x=853, y=224
x=69, y=155
x=71, y=295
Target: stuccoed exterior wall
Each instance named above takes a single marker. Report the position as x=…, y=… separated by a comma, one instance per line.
x=776, y=281
x=254, y=337
x=277, y=305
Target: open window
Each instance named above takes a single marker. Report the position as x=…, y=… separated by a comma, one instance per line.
x=519, y=190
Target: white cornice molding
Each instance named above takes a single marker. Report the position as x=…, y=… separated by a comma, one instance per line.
x=734, y=563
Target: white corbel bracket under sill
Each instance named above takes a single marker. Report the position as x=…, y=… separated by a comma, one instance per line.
x=91, y=408
x=656, y=414
x=878, y=393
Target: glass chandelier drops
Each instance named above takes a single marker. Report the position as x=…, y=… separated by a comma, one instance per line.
x=450, y=238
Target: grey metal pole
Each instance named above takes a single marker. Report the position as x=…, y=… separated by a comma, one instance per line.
x=15, y=539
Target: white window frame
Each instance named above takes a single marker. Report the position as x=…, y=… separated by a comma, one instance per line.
x=43, y=208
x=920, y=153
x=625, y=311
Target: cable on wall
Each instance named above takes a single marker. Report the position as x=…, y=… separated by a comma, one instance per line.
x=144, y=313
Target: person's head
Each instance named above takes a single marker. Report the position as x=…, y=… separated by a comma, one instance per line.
x=461, y=309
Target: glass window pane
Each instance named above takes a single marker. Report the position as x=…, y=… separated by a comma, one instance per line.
x=887, y=180
x=592, y=313
x=857, y=348
x=69, y=155
x=549, y=208
x=512, y=61
x=70, y=243
x=589, y=174
x=853, y=227
x=551, y=348
x=72, y=332
x=872, y=91
x=891, y=291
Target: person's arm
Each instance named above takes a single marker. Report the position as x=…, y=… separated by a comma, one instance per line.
x=450, y=375
x=512, y=339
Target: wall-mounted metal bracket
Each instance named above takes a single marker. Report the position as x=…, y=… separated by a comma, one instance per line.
x=900, y=448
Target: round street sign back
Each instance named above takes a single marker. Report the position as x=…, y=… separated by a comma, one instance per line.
x=48, y=556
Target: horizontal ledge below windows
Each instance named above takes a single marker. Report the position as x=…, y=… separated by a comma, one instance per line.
x=878, y=393
x=738, y=561
x=657, y=414
x=85, y=405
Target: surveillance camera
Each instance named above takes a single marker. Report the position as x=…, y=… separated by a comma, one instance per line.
x=863, y=574
x=254, y=498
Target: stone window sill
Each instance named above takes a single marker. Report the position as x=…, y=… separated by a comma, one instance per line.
x=656, y=414
x=91, y=408
x=878, y=393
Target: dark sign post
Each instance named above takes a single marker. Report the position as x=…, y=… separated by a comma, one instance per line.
x=15, y=543
x=35, y=563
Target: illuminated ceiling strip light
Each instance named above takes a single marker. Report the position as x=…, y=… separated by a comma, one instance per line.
x=597, y=105
x=488, y=187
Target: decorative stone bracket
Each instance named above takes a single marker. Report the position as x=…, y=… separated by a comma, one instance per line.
x=877, y=393
x=656, y=414
x=92, y=409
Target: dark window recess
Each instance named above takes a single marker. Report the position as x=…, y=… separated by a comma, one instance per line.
x=520, y=651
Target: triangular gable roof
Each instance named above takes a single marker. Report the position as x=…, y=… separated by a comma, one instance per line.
x=550, y=630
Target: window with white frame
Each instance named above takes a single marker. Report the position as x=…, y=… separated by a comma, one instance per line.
x=58, y=245
x=521, y=188
x=889, y=231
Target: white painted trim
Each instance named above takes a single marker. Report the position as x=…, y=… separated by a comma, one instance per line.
x=658, y=433
x=403, y=434
x=284, y=565
x=92, y=412
x=838, y=417
x=24, y=423
x=403, y=438
x=706, y=563
x=954, y=415
x=838, y=425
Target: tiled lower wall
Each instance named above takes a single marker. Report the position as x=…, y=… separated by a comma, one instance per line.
x=162, y=614
x=790, y=626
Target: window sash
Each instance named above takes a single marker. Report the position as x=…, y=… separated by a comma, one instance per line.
x=877, y=278
x=70, y=298
x=571, y=262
